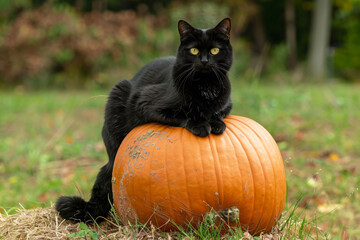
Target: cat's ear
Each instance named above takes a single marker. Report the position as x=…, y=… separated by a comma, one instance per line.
x=184, y=28
x=224, y=27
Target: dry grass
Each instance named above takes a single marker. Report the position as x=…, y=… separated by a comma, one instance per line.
x=45, y=224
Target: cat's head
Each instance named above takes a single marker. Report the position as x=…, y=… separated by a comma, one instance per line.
x=205, y=50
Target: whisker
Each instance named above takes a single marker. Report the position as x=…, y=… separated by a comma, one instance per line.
x=184, y=77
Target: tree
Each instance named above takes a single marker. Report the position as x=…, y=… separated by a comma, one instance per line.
x=319, y=40
x=290, y=33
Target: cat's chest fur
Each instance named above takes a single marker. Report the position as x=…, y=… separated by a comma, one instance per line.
x=209, y=90
x=205, y=98
x=208, y=93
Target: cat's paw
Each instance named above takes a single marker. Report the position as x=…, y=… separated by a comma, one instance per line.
x=201, y=129
x=217, y=127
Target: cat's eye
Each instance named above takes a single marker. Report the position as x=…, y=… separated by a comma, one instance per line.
x=194, y=51
x=214, y=51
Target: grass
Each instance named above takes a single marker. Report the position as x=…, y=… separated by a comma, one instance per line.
x=45, y=223
x=50, y=145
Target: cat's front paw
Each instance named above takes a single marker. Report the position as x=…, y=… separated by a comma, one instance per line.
x=217, y=127
x=201, y=129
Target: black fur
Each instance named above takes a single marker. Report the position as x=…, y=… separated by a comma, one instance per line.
x=190, y=91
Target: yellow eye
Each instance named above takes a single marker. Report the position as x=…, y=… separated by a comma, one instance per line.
x=214, y=51
x=194, y=51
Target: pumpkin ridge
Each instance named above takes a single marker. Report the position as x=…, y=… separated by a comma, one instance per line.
x=227, y=133
x=141, y=133
x=280, y=179
x=203, y=193
x=274, y=206
x=151, y=162
x=251, y=125
x=217, y=166
x=172, y=213
x=263, y=190
x=188, y=205
x=234, y=135
x=251, y=168
x=203, y=174
x=265, y=176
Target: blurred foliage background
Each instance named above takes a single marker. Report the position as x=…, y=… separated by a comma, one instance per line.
x=94, y=43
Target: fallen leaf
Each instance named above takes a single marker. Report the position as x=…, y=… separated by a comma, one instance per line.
x=305, y=201
x=311, y=164
x=297, y=120
x=326, y=208
x=334, y=157
x=300, y=135
x=344, y=235
x=69, y=139
x=13, y=180
x=321, y=199
x=324, y=226
x=43, y=197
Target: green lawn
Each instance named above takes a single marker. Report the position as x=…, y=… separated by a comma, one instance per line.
x=50, y=145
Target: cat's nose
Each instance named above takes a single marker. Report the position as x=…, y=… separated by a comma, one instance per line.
x=204, y=60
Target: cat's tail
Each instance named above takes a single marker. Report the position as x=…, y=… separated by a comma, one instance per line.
x=114, y=130
x=97, y=208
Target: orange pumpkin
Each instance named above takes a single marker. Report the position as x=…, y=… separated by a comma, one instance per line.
x=164, y=172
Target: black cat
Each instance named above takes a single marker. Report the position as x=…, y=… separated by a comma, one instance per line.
x=191, y=90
